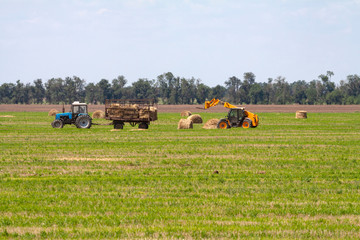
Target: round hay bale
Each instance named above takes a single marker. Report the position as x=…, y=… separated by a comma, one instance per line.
x=301, y=114
x=196, y=118
x=53, y=112
x=185, y=113
x=185, y=124
x=211, y=124
x=98, y=114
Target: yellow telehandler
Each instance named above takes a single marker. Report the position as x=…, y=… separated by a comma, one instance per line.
x=237, y=116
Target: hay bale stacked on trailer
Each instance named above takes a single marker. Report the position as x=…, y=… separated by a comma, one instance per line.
x=148, y=113
x=133, y=111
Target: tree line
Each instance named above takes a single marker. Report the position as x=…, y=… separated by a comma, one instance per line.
x=169, y=89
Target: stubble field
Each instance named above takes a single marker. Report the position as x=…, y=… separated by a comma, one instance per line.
x=287, y=178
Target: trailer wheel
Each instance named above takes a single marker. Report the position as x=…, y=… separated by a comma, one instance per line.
x=83, y=122
x=57, y=124
x=143, y=125
x=118, y=126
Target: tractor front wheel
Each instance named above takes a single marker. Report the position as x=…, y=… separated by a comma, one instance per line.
x=57, y=124
x=83, y=122
x=222, y=124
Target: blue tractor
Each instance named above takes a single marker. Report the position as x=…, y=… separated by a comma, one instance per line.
x=78, y=116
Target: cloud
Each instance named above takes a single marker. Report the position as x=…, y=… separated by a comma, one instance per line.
x=102, y=11
x=301, y=12
x=34, y=20
x=82, y=13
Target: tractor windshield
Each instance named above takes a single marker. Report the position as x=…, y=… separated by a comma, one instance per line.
x=82, y=109
x=79, y=109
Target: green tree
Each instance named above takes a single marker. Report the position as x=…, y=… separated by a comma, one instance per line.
x=117, y=86
x=269, y=92
x=311, y=93
x=69, y=90
x=233, y=89
x=165, y=84
x=218, y=92
x=282, y=91
x=79, y=89
x=38, y=91
x=298, y=90
x=202, y=92
x=7, y=92
x=353, y=85
x=55, y=91
x=248, y=82
x=334, y=97
x=143, y=89
x=186, y=91
x=19, y=94
x=104, y=91
x=93, y=93
x=256, y=93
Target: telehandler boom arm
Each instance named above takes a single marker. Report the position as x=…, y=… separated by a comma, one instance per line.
x=213, y=102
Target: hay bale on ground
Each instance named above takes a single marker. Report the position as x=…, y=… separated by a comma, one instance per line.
x=196, y=118
x=53, y=112
x=98, y=114
x=185, y=113
x=301, y=114
x=185, y=124
x=211, y=124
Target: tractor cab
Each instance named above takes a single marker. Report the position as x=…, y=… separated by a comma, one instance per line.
x=78, y=108
x=236, y=116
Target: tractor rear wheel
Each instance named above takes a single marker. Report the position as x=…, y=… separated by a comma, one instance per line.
x=83, y=122
x=57, y=124
x=247, y=123
x=222, y=124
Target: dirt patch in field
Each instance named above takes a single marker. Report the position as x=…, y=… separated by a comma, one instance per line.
x=195, y=108
x=7, y=116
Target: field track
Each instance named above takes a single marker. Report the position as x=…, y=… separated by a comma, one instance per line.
x=195, y=108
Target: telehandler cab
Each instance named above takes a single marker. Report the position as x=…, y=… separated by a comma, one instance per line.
x=236, y=117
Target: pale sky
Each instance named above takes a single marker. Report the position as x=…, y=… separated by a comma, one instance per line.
x=210, y=40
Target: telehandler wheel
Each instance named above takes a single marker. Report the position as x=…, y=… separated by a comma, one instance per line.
x=246, y=123
x=57, y=124
x=143, y=125
x=222, y=124
x=83, y=122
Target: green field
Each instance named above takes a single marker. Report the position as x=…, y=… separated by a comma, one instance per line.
x=288, y=178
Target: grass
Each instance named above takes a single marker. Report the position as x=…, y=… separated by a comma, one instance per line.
x=288, y=178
